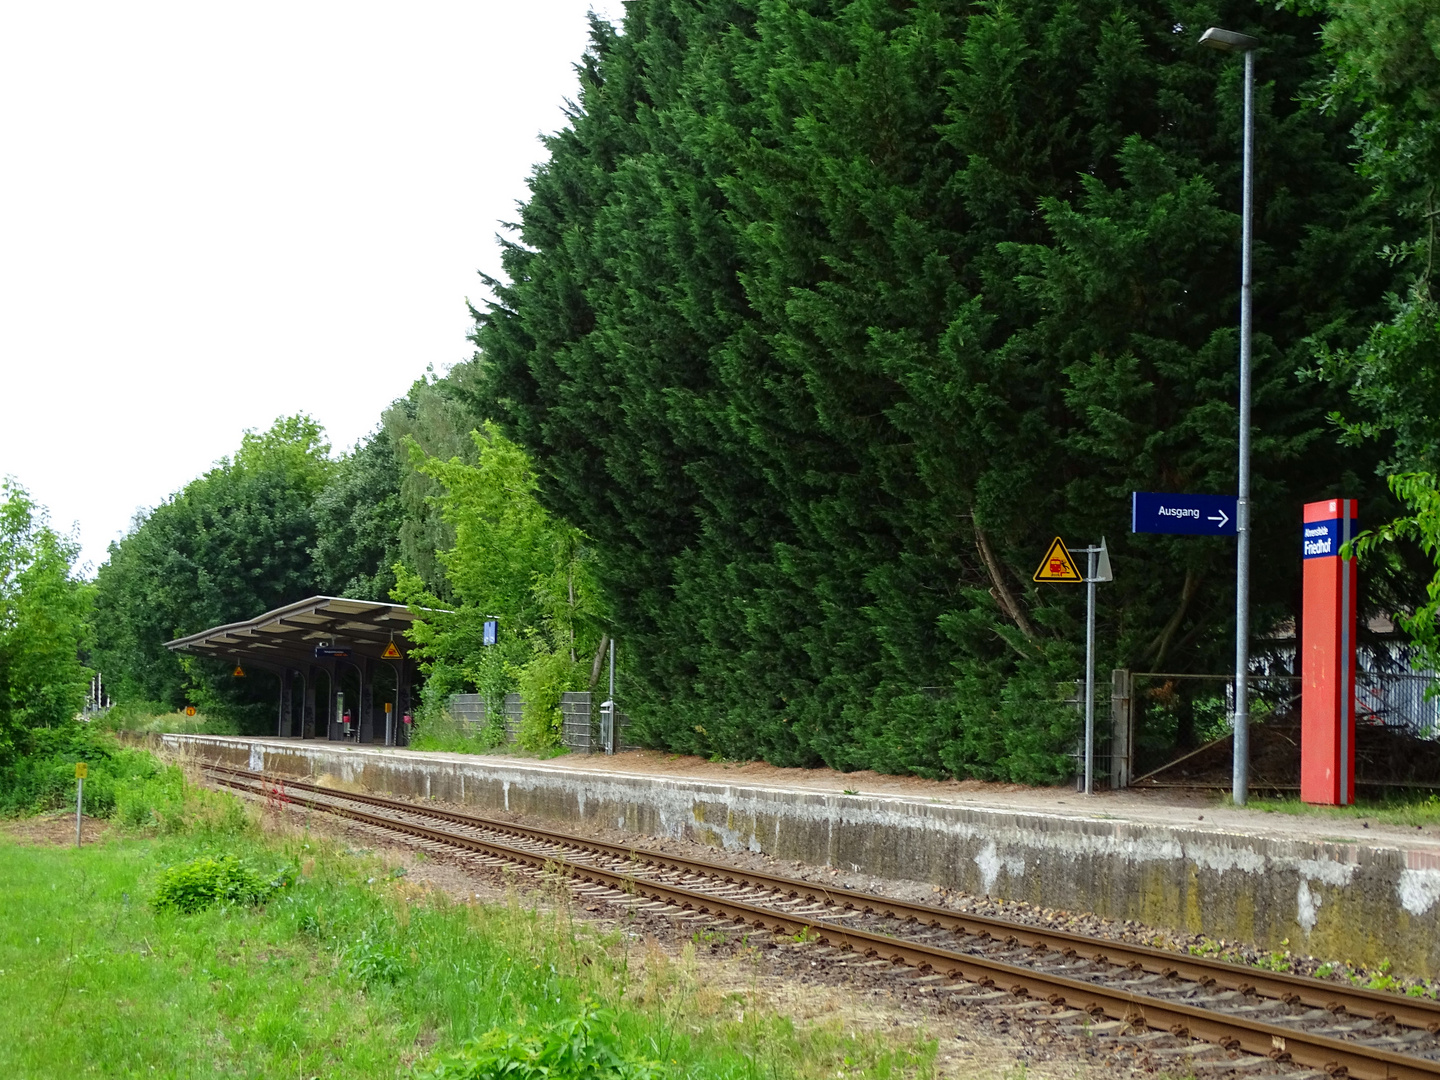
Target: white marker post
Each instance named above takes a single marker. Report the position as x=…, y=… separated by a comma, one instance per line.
x=80, y=770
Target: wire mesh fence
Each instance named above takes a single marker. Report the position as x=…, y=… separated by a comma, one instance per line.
x=1174, y=728
x=580, y=728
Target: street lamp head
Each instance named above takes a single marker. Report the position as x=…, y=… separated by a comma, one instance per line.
x=1228, y=40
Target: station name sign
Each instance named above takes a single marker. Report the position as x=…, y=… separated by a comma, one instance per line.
x=1322, y=539
x=1182, y=514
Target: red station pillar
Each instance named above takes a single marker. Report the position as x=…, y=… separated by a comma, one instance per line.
x=1327, y=701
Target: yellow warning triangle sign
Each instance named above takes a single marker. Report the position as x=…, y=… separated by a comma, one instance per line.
x=239, y=672
x=390, y=653
x=1058, y=564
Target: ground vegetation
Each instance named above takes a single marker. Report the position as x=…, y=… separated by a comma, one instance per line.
x=291, y=955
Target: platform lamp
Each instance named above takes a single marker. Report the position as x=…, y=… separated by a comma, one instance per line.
x=1230, y=41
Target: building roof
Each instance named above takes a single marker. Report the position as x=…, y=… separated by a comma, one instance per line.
x=289, y=635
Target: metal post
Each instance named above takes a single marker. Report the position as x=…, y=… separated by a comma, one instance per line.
x=613, y=738
x=1240, y=779
x=79, y=802
x=1090, y=671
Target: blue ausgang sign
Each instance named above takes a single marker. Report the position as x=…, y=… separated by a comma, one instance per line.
x=1322, y=539
x=1189, y=515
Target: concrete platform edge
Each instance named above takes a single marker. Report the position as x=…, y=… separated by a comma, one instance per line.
x=1344, y=901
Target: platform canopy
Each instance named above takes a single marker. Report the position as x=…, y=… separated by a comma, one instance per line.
x=308, y=631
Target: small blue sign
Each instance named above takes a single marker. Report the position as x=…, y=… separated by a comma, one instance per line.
x=1322, y=539
x=1188, y=515
x=332, y=651
x=492, y=631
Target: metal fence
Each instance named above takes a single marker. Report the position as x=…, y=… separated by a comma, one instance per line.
x=580, y=729
x=1161, y=718
x=1401, y=700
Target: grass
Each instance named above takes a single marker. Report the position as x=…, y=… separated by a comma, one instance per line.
x=1400, y=808
x=151, y=716
x=177, y=723
x=349, y=971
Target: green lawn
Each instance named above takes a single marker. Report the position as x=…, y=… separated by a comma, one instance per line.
x=346, y=972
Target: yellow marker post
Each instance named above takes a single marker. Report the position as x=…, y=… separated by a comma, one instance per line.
x=80, y=770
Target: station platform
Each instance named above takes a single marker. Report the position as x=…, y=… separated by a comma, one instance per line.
x=1336, y=887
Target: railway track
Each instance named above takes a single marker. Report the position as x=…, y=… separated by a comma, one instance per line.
x=1093, y=984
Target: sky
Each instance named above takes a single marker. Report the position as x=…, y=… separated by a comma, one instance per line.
x=213, y=215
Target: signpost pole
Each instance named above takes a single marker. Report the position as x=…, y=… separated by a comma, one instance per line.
x=1229, y=41
x=1090, y=671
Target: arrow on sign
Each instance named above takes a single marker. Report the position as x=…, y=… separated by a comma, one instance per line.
x=1222, y=517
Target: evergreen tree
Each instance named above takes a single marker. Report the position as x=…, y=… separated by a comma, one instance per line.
x=824, y=317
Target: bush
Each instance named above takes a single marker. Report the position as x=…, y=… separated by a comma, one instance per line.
x=436, y=729
x=542, y=680
x=583, y=1048
x=207, y=881
x=44, y=779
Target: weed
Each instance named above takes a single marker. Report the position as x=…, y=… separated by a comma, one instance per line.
x=371, y=960
x=582, y=1048
x=707, y=935
x=1275, y=961
x=205, y=882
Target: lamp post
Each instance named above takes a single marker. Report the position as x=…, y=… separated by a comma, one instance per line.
x=1230, y=41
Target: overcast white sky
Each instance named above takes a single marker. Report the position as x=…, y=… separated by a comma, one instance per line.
x=213, y=214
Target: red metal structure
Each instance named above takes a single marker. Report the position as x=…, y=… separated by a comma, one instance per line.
x=1327, y=703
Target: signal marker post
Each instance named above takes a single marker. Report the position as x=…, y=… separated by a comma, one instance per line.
x=81, y=768
x=1059, y=566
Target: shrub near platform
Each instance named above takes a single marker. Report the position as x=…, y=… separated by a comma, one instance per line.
x=44, y=778
x=351, y=971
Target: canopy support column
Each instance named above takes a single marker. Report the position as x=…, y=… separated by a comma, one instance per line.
x=367, y=702
x=283, y=726
x=307, y=710
x=332, y=705
x=402, y=702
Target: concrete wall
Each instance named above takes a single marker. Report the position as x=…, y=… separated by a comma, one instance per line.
x=1343, y=901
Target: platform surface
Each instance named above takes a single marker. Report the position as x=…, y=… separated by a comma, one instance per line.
x=1165, y=808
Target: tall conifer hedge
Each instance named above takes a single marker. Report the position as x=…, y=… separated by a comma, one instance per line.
x=824, y=317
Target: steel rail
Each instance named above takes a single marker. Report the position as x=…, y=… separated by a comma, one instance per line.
x=1335, y=1056
x=1292, y=989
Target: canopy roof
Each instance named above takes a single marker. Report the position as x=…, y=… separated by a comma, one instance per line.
x=289, y=636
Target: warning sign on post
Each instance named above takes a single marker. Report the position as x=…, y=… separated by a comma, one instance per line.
x=1058, y=564
x=390, y=653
